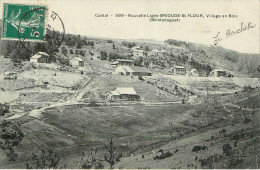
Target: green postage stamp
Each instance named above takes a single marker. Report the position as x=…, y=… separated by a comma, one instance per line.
x=23, y=22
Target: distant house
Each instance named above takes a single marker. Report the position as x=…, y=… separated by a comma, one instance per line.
x=163, y=52
x=124, y=93
x=138, y=53
x=125, y=62
x=136, y=48
x=76, y=62
x=40, y=57
x=220, y=73
x=155, y=52
x=179, y=70
x=123, y=70
x=140, y=71
x=132, y=71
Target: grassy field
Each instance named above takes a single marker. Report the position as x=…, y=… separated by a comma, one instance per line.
x=72, y=130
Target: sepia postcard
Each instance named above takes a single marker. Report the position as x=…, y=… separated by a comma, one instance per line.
x=129, y=84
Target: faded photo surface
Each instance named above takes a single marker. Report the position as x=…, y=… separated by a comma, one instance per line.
x=112, y=84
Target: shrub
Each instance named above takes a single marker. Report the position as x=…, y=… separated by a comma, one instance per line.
x=198, y=148
x=227, y=149
x=163, y=155
x=140, y=78
x=46, y=159
x=222, y=131
x=247, y=120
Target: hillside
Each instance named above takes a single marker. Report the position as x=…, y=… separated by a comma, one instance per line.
x=177, y=121
x=201, y=57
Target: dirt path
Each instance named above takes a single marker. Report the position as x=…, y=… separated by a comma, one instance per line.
x=36, y=113
x=18, y=113
x=79, y=95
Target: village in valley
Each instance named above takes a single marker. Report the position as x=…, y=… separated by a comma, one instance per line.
x=171, y=104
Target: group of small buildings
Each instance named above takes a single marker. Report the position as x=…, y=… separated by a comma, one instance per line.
x=157, y=52
x=138, y=52
x=181, y=70
x=132, y=71
x=122, y=62
x=42, y=57
x=126, y=67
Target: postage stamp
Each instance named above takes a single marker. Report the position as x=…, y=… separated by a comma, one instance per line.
x=22, y=21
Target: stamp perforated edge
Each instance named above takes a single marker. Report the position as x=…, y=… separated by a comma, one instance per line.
x=18, y=2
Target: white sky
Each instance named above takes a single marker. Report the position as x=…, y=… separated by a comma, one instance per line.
x=79, y=18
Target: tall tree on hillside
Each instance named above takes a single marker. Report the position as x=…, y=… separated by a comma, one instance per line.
x=64, y=51
x=146, y=48
x=15, y=56
x=111, y=157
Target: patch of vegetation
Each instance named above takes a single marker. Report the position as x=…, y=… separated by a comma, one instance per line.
x=45, y=159
x=10, y=136
x=198, y=148
x=227, y=149
x=4, y=108
x=163, y=155
x=92, y=162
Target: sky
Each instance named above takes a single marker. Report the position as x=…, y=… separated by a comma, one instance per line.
x=78, y=17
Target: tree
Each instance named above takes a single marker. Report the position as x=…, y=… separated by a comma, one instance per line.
x=14, y=56
x=4, y=108
x=109, y=41
x=227, y=149
x=80, y=44
x=110, y=157
x=46, y=159
x=10, y=136
x=64, y=50
x=39, y=47
x=103, y=55
x=82, y=53
x=91, y=163
x=146, y=48
x=76, y=51
x=258, y=68
x=138, y=61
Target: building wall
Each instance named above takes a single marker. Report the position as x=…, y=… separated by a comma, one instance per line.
x=42, y=59
x=126, y=63
x=76, y=63
x=125, y=97
x=141, y=74
x=180, y=71
x=33, y=60
x=81, y=63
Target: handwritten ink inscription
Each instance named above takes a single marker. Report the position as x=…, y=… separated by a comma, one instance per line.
x=229, y=33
